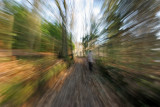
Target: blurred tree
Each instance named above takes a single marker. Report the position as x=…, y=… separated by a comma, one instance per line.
x=26, y=25
x=64, y=49
x=51, y=37
x=35, y=23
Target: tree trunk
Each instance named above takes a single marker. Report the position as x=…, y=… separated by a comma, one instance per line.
x=64, y=51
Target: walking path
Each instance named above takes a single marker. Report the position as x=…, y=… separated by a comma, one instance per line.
x=78, y=87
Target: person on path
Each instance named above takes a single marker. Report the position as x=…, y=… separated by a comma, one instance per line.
x=90, y=60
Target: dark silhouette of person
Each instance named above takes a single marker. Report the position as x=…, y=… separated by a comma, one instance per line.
x=90, y=60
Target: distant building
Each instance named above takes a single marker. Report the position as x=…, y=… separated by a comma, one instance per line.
x=78, y=49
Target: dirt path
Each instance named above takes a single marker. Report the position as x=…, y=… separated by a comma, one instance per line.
x=81, y=88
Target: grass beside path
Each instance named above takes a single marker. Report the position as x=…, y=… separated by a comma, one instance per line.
x=26, y=77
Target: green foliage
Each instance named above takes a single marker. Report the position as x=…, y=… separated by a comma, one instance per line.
x=34, y=33
x=73, y=45
x=20, y=23
x=126, y=56
x=51, y=37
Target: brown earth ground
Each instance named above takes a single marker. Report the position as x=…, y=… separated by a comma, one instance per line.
x=78, y=87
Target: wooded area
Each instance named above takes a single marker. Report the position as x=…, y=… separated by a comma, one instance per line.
x=39, y=41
